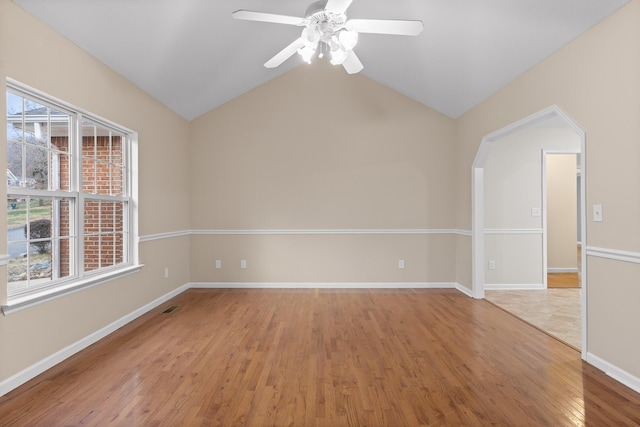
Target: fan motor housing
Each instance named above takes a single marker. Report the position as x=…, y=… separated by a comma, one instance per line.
x=315, y=7
x=324, y=21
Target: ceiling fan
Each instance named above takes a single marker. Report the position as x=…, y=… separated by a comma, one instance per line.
x=328, y=31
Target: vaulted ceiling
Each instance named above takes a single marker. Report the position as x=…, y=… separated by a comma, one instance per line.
x=193, y=56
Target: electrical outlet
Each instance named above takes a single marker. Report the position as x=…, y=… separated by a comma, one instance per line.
x=166, y=272
x=400, y=263
x=218, y=263
x=492, y=265
x=243, y=263
x=536, y=212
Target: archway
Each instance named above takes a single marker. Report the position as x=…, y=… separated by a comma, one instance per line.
x=553, y=115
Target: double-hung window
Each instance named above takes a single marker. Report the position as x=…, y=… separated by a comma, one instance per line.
x=69, y=203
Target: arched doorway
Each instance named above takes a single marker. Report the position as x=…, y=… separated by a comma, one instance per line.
x=536, y=250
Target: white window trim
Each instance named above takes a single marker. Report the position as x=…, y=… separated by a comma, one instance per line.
x=83, y=279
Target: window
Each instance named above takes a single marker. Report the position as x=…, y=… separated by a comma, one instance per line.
x=69, y=203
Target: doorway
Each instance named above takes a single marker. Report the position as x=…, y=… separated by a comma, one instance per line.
x=561, y=187
x=509, y=230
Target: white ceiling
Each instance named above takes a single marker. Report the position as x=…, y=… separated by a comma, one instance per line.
x=193, y=56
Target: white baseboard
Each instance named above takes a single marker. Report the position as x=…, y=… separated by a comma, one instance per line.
x=562, y=270
x=468, y=292
x=513, y=287
x=614, y=372
x=323, y=285
x=57, y=357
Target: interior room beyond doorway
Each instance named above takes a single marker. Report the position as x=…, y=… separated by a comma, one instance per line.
x=530, y=208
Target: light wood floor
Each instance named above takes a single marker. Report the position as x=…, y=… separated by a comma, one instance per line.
x=563, y=280
x=325, y=358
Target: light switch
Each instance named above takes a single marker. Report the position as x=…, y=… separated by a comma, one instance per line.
x=597, y=213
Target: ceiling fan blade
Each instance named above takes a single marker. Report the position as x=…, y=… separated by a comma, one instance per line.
x=352, y=64
x=338, y=6
x=285, y=53
x=386, y=26
x=249, y=15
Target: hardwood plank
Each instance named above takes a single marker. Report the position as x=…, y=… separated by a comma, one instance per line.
x=563, y=280
x=324, y=357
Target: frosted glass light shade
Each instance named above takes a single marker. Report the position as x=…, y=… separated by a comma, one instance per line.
x=348, y=39
x=310, y=37
x=338, y=56
x=307, y=53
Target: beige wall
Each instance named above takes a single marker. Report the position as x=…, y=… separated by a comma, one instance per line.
x=562, y=211
x=513, y=174
x=318, y=149
x=518, y=259
x=42, y=59
x=595, y=79
x=323, y=260
x=613, y=323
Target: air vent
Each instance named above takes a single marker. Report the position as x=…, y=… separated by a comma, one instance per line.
x=171, y=309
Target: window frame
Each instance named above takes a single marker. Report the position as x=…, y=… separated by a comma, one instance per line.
x=80, y=277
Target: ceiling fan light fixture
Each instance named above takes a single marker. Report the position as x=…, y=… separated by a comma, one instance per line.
x=326, y=29
x=311, y=37
x=307, y=53
x=333, y=43
x=348, y=39
x=338, y=56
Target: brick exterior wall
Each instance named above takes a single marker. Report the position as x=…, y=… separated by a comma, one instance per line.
x=100, y=161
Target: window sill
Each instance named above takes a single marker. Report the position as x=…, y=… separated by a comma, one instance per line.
x=18, y=303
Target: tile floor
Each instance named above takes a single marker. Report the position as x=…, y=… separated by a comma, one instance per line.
x=556, y=311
